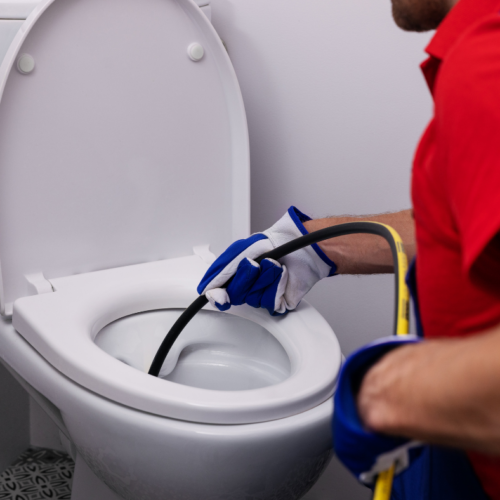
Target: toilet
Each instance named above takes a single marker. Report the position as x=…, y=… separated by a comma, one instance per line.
x=124, y=170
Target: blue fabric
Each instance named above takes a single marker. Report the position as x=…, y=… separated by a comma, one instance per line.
x=243, y=281
x=255, y=286
x=229, y=254
x=299, y=218
x=438, y=474
x=355, y=446
x=263, y=292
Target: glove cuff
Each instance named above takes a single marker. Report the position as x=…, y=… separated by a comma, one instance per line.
x=299, y=218
x=348, y=429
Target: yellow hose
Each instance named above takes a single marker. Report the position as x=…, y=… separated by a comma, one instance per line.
x=403, y=315
x=383, y=485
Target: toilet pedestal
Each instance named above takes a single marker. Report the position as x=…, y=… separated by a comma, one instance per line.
x=87, y=485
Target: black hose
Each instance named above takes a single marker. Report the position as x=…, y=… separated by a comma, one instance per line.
x=276, y=254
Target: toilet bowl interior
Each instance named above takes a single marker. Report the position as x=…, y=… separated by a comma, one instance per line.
x=217, y=351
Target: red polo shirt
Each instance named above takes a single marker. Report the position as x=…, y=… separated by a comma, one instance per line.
x=456, y=186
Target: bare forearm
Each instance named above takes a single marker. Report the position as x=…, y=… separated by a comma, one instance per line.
x=443, y=391
x=366, y=253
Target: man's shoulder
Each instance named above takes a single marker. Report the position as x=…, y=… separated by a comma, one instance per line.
x=472, y=66
x=478, y=45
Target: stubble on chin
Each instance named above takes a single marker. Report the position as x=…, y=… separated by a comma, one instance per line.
x=419, y=15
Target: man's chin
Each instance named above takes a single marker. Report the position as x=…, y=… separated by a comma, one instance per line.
x=411, y=25
x=427, y=17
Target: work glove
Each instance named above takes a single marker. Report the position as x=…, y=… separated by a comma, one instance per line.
x=275, y=286
x=363, y=452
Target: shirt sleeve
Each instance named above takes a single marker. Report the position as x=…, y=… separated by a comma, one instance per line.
x=467, y=97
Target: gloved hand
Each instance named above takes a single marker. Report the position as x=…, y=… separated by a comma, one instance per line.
x=363, y=452
x=275, y=286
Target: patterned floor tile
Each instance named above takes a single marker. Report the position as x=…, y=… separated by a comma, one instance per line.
x=38, y=474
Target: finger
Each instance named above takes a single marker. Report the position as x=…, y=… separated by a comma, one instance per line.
x=263, y=292
x=280, y=304
x=219, y=298
x=247, y=274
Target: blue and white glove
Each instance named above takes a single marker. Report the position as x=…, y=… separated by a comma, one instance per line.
x=363, y=452
x=275, y=286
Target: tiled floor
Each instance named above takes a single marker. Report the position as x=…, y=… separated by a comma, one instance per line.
x=38, y=474
x=41, y=474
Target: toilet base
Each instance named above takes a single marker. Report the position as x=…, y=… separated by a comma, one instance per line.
x=87, y=485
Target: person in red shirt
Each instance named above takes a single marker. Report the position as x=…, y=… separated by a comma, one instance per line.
x=445, y=390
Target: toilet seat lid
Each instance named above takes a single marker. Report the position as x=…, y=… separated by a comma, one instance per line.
x=118, y=148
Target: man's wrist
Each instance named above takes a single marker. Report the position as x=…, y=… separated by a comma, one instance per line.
x=354, y=253
x=330, y=248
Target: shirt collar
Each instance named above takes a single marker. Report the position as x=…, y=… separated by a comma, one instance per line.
x=464, y=14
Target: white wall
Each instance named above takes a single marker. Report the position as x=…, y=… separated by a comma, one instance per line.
x=336, y=104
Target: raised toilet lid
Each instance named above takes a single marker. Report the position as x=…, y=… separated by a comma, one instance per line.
x=123, y=140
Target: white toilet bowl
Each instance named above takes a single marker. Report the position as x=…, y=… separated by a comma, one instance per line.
x=123, y=147
x=154, y=438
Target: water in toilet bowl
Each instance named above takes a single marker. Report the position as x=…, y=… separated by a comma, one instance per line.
x=217, y=351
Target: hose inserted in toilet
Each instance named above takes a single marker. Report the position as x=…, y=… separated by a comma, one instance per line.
x=384, y=480
x=402, y=305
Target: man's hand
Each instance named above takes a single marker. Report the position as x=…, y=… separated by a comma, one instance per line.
x=275, y=286
x=384, y=404
x=444, y=391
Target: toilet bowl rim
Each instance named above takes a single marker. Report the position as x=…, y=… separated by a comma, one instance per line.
x=85, y=310
x=41, y=377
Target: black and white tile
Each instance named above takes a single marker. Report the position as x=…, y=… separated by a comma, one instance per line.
x=38, y=474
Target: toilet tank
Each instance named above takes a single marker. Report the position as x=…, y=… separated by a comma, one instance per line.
x=14, y=12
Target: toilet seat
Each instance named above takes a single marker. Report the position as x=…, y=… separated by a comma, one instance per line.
x=61, y=326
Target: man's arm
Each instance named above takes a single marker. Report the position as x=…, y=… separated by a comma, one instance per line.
x=442, y=391
x=366, y=253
